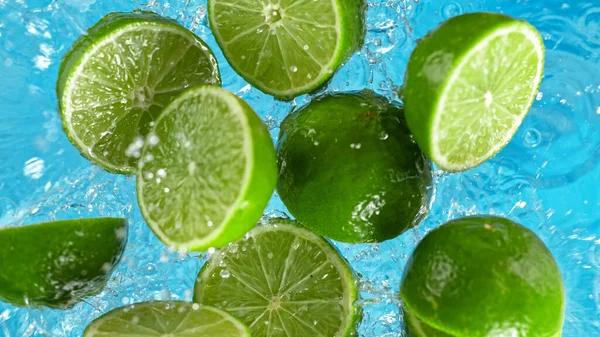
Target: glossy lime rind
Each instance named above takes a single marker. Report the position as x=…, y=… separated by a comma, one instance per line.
x=481, y=276
x=414, y=327
x=57, y=264
x=351, y=29
x=350, y=171
x=81, y=49
x=429, y=70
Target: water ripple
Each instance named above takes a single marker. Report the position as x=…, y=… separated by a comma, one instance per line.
x=546, y=178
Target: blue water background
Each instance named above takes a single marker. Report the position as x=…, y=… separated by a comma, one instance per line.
x=547, y=178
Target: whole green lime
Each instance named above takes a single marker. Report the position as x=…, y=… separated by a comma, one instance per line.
x=483, y=276
x=349, y=169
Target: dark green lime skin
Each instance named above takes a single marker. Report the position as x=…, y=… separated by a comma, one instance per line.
x=349, y=152
x=484, y=276
x=441, y=50
x=31, y=272
x=106, y=26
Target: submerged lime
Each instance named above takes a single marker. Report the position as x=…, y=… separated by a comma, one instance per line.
x=283, y=281
x=469, y=85
x=117, y=78
x=349, y=169
x=166, y=319
x=483, y=276
x=287, y=47
x=58, y=264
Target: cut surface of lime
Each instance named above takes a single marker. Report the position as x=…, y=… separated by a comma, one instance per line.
x=286, y=47
x=57, y=264
x=116, y=79
x=482, y=276
x=166, y=319
x=208, y=170
x=469, y=84
x=282, y=281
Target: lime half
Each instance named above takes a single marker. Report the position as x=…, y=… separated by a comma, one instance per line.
x=287, y=47
x=482, y=276
x=166, y=319
x=208, y=170
x=469, y=85
x=58, y=264
x=282, y=281
x=116, y=79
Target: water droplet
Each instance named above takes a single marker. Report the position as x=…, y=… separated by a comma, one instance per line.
x=539, y=96
x=305, y=47
x=153, y=139
x=532, y=138
x=225, y=273
x=294, y=69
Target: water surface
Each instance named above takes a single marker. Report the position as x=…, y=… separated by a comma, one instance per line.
x=546, y=178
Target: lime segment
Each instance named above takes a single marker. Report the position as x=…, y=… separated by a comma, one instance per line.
x=166, y=319
x=483, y=276
x=208, y=170
x=116, y=79
x=469, y=85
x=287, y=48
x=58, y=264
x=283, y=281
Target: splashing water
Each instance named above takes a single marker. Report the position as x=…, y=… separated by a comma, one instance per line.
x=546, y=178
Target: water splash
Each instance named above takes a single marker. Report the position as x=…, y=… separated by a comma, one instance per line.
x=546, y=178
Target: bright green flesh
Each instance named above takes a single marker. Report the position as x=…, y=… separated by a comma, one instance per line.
x=482, y=276
x=208, y=170
x=469, y=85
x=57, y=264
x=166, y=319
x=287, y=47
x=349, y=169
x=116, y=80
x=282, y=281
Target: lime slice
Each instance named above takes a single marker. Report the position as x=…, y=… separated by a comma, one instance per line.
x=116, y=79
x=282, y=281
x=469, y=85
x=383, y=193
x=482, y=276
x=58, y=264
x=208, y=171
x=166, y=319
x=287, y=47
